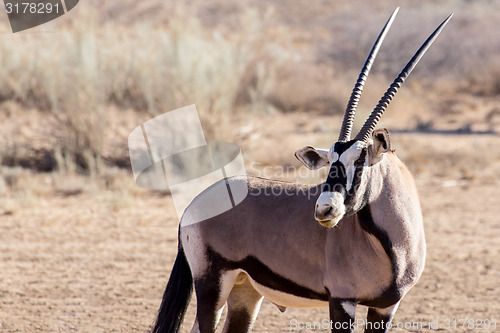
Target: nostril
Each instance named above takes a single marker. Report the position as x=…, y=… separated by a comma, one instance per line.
x=325, y=212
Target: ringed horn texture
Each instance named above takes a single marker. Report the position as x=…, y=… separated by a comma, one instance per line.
x=352, y=104
x=368, y=127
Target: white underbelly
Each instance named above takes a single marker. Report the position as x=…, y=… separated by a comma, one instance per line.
x=287, y=300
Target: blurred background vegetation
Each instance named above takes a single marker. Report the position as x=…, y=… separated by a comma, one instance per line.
x=72, y=90
x=83, y=248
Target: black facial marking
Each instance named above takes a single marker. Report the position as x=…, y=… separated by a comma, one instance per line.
x=337, y=176
x=350, y=202
x=358, y=173
x=337, y=179
x=341, y=147
x=264, y=275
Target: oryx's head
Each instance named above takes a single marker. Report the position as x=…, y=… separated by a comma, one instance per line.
x=345, y=190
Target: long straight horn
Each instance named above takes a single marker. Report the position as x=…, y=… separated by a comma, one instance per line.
x=368, y=127
x=352, y=105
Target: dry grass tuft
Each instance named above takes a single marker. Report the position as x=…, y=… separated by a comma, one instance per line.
x=72, y=184
x=74, y=78
x=456, y=157
x=18, y=190
x=258, y=61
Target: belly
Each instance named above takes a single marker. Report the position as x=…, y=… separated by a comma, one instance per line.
x=286, y=299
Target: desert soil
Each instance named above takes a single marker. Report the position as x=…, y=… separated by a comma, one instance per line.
x=96, y=262
x=73, y=264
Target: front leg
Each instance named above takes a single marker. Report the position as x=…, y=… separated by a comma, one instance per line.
x=379, y=320
x=342, y=314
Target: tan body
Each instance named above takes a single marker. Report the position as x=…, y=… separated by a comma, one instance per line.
x=292, y=244
x=356, y=239
x=342, y=262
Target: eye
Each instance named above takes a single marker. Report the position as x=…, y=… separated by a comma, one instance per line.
x=359, y=161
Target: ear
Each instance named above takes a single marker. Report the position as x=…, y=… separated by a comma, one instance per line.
x=313, y=158
x=381, y=145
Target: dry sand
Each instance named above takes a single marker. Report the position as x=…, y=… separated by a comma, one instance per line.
x=73, y=264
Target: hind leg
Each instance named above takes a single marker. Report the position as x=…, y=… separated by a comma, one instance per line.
x=196, y=325
x=212, y=292
x=243, y=306
x=379, y=320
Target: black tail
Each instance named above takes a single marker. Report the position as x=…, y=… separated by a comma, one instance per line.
x=176, y=297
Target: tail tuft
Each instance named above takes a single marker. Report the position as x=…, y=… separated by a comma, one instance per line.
x=176, y=297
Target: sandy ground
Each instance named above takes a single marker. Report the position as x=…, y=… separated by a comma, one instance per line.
x=73, y=264
x=79, y=264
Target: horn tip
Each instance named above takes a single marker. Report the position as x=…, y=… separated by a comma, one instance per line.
x=447, y=19
x=393, y=15
x=442, y=25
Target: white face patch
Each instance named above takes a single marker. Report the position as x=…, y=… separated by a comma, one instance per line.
x=348, y=158
x=334, y=202
x=332, y=156
x=330, y=206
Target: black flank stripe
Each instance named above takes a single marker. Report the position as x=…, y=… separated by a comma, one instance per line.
x=265, y=276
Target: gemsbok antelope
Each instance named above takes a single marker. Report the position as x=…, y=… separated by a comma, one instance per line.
x=274, y=243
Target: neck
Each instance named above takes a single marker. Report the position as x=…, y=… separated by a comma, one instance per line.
x=394, y=209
